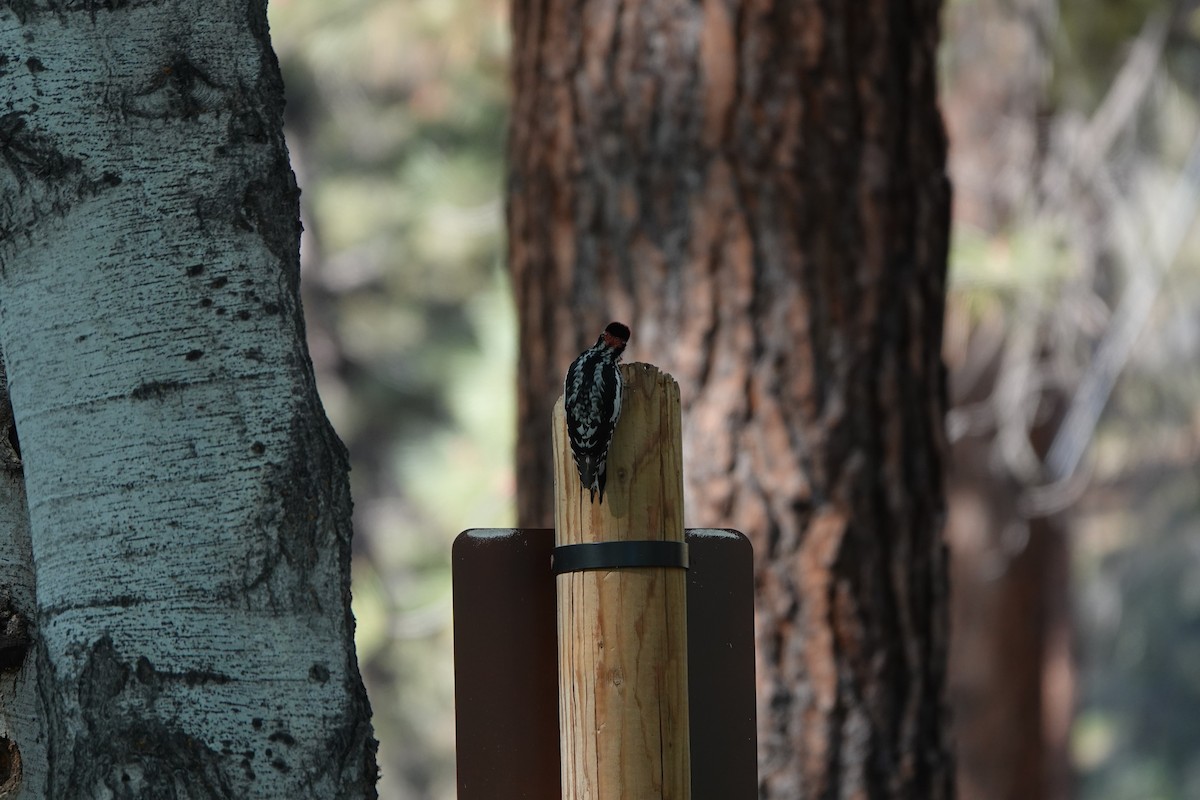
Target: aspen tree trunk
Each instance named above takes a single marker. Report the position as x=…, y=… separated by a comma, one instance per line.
x=759, y=190
x=188, y=506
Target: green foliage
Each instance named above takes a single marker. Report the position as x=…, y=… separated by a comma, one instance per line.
x=1033, y=257
x=1091, y=42
x=1053, y=263
x=396, y=123
x=1140, y=618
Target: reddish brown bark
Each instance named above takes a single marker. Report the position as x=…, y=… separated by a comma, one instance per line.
x=1011, y=672
x=1011, y=677
x=759, y=190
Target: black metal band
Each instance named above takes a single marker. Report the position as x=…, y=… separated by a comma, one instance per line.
x=618, y=555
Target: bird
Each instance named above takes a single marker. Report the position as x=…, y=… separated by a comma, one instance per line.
x=592, y=402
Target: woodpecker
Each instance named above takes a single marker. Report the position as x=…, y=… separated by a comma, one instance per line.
x=592, y=393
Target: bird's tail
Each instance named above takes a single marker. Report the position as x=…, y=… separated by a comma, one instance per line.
x=591, y=476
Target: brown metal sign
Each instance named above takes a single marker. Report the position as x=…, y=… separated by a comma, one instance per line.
x=506, y=662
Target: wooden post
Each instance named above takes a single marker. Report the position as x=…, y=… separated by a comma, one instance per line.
x=622, y=634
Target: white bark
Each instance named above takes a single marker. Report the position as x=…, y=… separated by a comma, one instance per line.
x=188, y=507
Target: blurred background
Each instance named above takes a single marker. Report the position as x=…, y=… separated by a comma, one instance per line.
x=1073, y=339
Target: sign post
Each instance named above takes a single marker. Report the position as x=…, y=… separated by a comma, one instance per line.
x=621, y=607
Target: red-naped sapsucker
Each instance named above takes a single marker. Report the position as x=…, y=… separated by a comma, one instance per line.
x=592, y=393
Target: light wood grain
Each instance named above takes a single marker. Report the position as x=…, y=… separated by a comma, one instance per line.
x=622, y=634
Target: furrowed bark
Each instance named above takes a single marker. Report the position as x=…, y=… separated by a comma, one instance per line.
x=759, y=190
x=23, y=746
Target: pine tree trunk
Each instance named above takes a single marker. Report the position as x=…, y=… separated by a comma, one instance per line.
x=188, y=504
x=759, y=191
x=23, y=745
x=1011, y=673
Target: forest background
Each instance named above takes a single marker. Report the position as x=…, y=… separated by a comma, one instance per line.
x=1073, y=338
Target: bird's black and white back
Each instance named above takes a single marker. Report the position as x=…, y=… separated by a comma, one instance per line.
x=592, y=402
